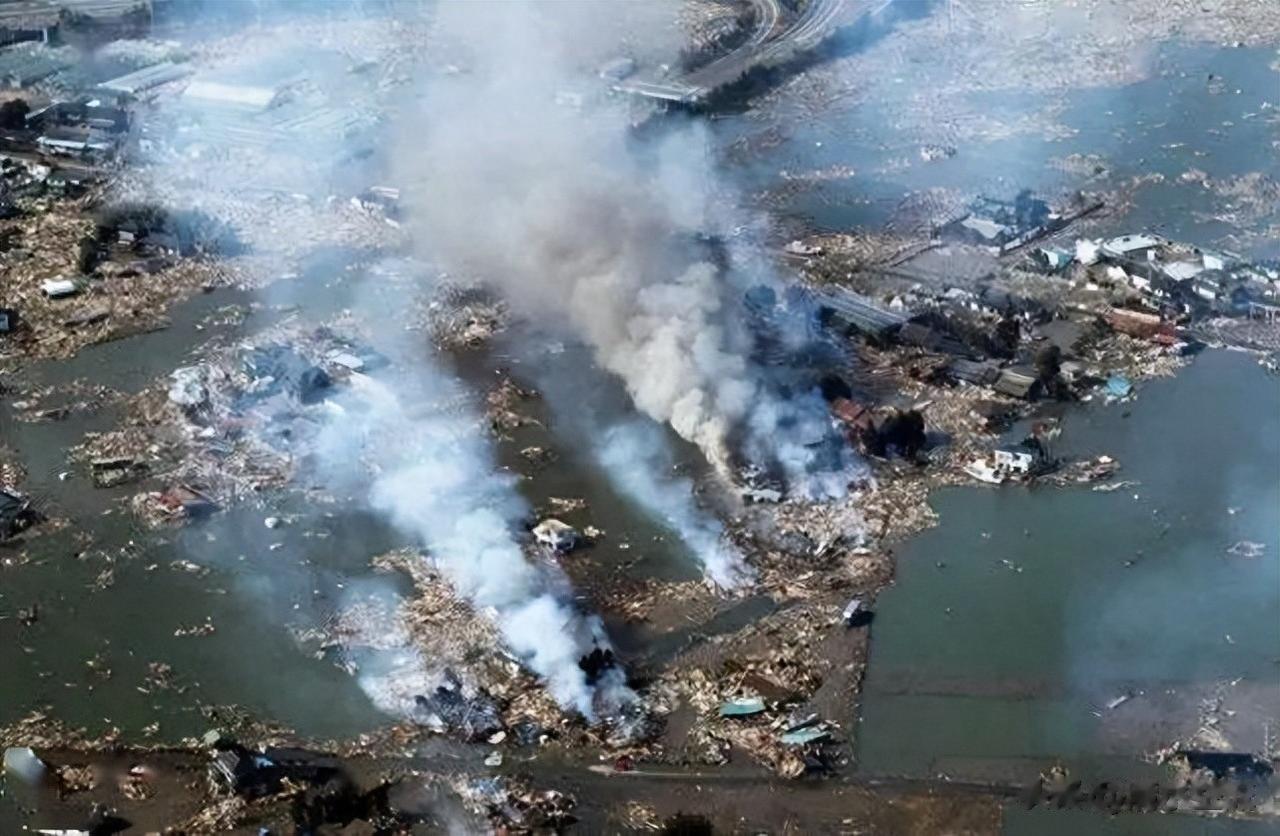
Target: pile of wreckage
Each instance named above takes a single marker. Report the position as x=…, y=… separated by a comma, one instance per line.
x=313, y=789
x=72, y=283
x=17, y=514
x=441, y=664
x=227, y=428
x=511, y=805
x=880, y=431
x=459, y=316
x=761, y=698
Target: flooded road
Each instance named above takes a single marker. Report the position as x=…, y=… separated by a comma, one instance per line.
x=1015, y=622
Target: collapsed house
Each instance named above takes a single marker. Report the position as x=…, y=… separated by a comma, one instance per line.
x=1184, y=278
x=930, y=338
x=975, y=372
x=1141, y=325
x=555, y=535
x=256, y=774
x=1002, y=225
x=881, y=431
x=1021, y=382
x=16, y=514
x=1013, y=463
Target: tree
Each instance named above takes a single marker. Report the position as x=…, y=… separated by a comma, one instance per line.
x=905, y=432
x=87, y=258
x=1008, y=333
x=13, y=114
x=1049, y=363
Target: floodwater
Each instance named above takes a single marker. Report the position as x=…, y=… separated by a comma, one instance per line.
x=1171, y=123
x=87, y=656
x=1018, y=822
x=980, y=668
x=1014, y=622
x=1050, y=604
x=257, y=585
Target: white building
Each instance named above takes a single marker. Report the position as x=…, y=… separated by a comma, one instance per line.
x=1014, y=461
x=1139, y=245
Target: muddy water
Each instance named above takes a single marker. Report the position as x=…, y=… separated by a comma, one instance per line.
x=108, y=593
x=1167, y=125
x=254, y=584
x=986, y=669
x=1013, y=623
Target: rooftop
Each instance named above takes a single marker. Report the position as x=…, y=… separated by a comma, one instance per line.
x=241, y=95
x=1125, y=244
x=146, y=78
x=1180, y=271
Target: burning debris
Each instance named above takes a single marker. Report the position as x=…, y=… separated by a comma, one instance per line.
x=512, y=805
x=597, y=250
x=634, y=454
x=556, y=535
x=561, y=226
x=437, y=485
x=446, y=709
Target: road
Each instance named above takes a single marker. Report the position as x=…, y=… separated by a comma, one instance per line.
x=767, y=44
x=21, y=13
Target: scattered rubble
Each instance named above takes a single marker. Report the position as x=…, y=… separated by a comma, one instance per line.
x=511, y=804
x=966, y=354
x=556, y=535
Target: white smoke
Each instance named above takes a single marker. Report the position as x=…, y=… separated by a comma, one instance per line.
x=634, y=454
x=434, y=476
x=435, y=480
x=575, y=227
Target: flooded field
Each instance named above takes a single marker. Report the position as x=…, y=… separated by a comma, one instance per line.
x=1085, y=627
x=1205, y=109
x=1015, y=625
x=97, y=633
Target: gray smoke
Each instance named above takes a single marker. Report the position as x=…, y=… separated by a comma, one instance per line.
x=551, y=205
x=435, y=479
x=428, y=469
x=634, y=454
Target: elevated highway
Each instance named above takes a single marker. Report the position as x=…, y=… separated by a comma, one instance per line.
x=769, y=43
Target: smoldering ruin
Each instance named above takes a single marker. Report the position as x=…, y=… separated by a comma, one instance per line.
x=506, y=418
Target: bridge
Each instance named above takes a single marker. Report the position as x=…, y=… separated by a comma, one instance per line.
x=768, y=44
x=38, y=14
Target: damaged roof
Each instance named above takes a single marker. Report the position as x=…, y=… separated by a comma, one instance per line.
x=146, y=78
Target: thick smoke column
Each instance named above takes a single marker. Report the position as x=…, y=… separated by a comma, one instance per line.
x=434, y=473
x=436, y=481
x=634, y=454
x=552, y=205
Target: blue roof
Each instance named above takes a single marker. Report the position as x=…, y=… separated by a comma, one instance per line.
x=800, y=737
x=1119, y=385
x=743, y=707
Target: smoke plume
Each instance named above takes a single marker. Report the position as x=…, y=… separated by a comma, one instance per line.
x=634, y=454
x=575, y=226
x=435, y=479
x=427, y=469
